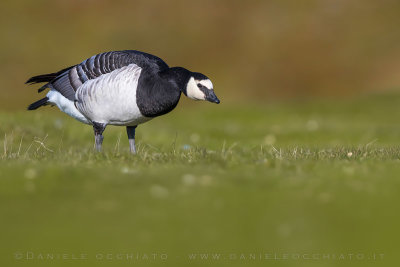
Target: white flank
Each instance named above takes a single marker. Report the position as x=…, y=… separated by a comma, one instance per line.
x=65, y=105
x=111, y=98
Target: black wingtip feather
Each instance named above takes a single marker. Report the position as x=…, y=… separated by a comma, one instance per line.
x=46, y=77
x=42, y=78
x=41, y=89
x=38, y=104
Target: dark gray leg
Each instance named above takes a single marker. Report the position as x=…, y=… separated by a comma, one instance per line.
x=131, y=136
x=98, y=129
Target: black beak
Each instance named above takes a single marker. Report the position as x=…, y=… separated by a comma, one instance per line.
x=211, y=97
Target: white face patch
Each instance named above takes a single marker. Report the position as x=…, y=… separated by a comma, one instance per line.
x=193, y=91
x=207, y=83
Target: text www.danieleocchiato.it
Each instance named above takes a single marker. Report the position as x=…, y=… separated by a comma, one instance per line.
x=161, y=256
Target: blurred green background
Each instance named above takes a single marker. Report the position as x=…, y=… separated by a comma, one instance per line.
x=301, y=157
x=252, y=50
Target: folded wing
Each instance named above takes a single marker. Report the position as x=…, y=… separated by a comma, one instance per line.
x=68, y=80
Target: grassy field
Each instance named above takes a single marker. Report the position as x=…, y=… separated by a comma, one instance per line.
x=313, y=183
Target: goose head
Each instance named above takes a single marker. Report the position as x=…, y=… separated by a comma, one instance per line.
x=199, y=87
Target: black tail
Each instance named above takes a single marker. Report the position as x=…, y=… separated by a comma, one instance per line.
x=38, y=104
x=42, y=78
x=46, y=77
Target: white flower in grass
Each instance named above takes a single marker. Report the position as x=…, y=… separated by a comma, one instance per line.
x=269, y=139
x=158, y=191
x=188, y=179
x=30, y=174
x=312, y=125
x=127, y=170
x=58, y=123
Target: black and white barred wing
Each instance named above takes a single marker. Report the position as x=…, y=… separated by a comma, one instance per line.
x=92, y=68
x=67, y=81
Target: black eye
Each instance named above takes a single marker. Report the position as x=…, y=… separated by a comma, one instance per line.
x=199, y=85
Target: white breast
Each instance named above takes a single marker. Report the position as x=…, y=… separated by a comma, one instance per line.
x=111, y=98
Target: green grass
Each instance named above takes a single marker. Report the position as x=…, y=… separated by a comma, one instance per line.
x=288, y=178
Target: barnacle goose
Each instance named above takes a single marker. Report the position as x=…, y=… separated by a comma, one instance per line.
x=124, y=88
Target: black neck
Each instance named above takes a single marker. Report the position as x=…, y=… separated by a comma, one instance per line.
x=156, y=97
x=178, y=77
